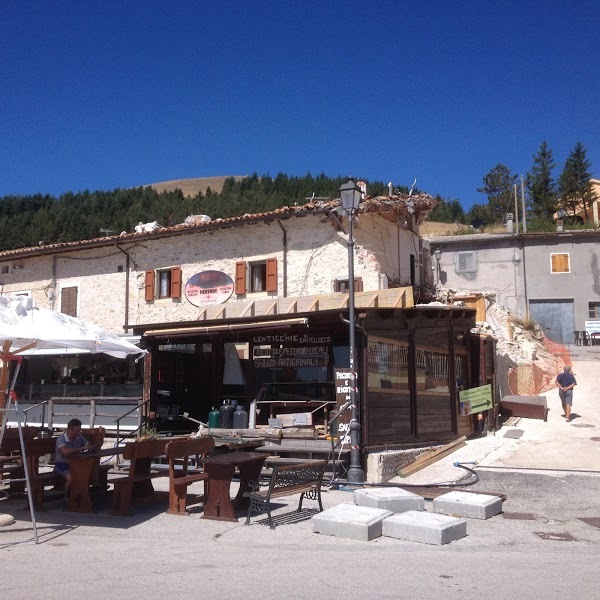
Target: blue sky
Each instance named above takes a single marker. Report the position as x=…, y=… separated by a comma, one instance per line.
x=101, y=94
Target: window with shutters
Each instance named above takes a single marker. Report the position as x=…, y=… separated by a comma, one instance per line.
x=341, y=285
x=256, y=276
x=68, y=301
x=559, y=263
x=465, y=262
x=163, y=284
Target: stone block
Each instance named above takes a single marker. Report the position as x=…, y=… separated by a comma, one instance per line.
x=466, y=504
x=424, y=527
x=388, y=498
x=350, y=521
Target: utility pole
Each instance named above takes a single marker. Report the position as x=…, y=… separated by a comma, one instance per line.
x=523, y=205
x=516, y=210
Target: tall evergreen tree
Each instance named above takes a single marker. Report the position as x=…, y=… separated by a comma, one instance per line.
x=498, y=187
x=574, y=184
x=541, y=187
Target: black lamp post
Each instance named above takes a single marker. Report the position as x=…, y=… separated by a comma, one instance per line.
x=438, y=256
x=351, y=196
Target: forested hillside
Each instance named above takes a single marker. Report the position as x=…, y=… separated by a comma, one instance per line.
x=27, y=220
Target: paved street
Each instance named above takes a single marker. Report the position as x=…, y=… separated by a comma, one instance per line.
x=540, y=547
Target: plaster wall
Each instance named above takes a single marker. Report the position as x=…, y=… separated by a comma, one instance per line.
x=101, y=287
x=317, y=254
x=498, y=269
x=581, y=284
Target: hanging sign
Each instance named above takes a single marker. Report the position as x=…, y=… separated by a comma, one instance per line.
x=475, y=400
x=208, y=287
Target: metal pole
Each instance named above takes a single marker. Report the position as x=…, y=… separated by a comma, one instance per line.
x=524, y=218
x=516, y=211
x=355, y=472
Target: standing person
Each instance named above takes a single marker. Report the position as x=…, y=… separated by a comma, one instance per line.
x=68, y=443
x=566, y=382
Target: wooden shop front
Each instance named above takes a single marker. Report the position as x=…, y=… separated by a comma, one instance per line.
x=411, y=362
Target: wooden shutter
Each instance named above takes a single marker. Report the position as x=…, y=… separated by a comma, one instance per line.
x=271, y=275
x=176, y=282
x=240, y=277
x=68, y=301
x=358, y=284
x=149, y=286
x=560, y=263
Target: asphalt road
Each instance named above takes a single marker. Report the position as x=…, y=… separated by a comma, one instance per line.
x=540, y=547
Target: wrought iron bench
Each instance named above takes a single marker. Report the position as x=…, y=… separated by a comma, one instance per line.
x=304, y=479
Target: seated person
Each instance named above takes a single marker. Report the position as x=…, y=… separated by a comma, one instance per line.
x=68, y=443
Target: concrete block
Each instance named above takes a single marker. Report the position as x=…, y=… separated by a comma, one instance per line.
x=388, y=498
x=424, y=527
x=466, y=504
x=350, y=521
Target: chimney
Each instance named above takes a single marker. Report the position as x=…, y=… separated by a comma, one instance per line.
x=509, y=222
x=559, y=225
x=390, y=189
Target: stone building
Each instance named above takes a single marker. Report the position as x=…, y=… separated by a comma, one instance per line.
x=254, y=309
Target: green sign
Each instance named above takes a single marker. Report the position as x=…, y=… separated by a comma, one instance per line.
x=475, y=400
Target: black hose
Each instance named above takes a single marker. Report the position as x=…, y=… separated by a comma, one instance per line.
x=460, y=483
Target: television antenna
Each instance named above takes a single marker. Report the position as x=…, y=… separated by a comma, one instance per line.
x=106, y=232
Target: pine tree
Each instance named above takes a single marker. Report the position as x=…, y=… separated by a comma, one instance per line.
x=574, y=185
x=498, y=187
x=541, y=186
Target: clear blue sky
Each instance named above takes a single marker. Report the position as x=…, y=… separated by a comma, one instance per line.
x=101, y=94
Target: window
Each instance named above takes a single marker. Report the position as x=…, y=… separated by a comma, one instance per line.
x=341, y=285
x=559, y=263
x=163, y=283
x=68, y=301
x=260, y=276
x=594, y=310
x=4, y=269
x=465, y=262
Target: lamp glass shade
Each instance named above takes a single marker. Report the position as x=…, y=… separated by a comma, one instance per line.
x=351, y=195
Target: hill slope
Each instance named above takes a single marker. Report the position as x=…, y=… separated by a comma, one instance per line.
x=190, y=187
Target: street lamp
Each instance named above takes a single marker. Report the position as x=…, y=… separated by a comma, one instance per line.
x=351, y=196
x=438, y=256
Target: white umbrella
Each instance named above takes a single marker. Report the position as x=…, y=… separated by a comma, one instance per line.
x=34, y=329
x=25, y=328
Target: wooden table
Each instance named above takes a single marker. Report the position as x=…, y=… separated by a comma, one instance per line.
x=81, y=467
x=220, y=470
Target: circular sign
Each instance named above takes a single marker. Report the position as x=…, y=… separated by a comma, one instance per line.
x=208, y=287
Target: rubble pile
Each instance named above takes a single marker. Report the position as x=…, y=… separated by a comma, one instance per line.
x=520, y=342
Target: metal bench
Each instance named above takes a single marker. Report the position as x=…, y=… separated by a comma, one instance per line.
x=304, y=479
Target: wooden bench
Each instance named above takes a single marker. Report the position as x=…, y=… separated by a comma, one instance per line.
x=138, y=481
x=34, y=450
x=304, y=479
x=180, y=474
x=10, y=452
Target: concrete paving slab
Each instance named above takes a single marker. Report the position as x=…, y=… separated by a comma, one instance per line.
x=424, y=527
x=466, y=504
x=389, y=498
x=350, y=521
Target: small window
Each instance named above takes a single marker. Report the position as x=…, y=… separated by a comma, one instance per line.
x=4, y=269
x=341, y=285
x=594, y=308
x=465, y=262
x=163, y=283
x=560, y=263
x=259, y=276
x=68, y=301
